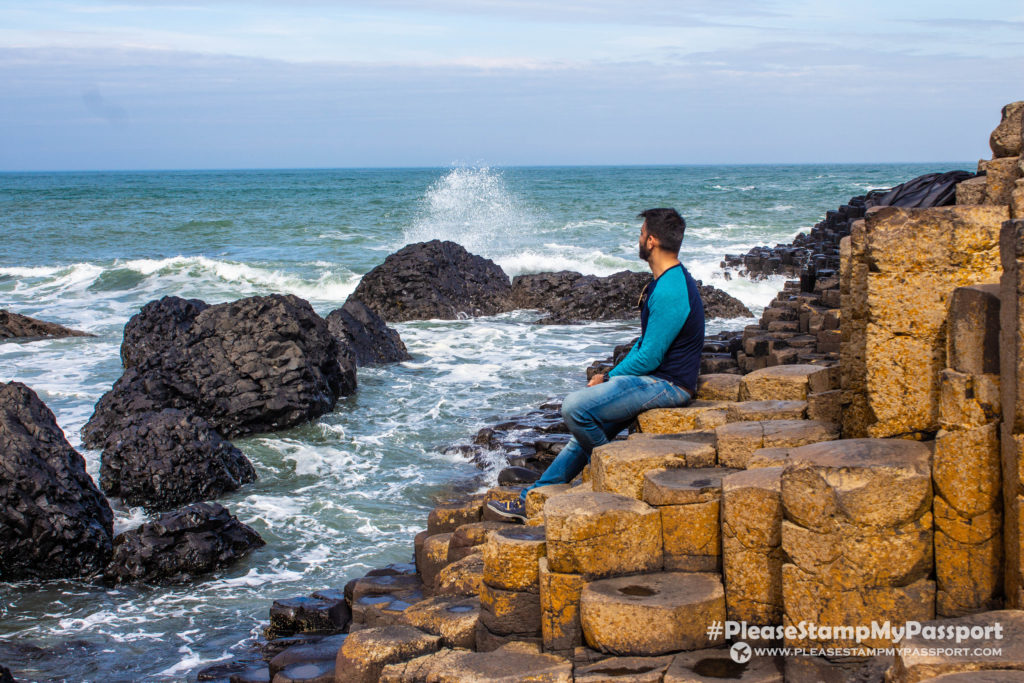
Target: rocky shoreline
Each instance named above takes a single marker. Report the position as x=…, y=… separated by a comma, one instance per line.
x=820, y=476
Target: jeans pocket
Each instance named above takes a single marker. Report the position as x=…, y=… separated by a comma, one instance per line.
x=657, y=401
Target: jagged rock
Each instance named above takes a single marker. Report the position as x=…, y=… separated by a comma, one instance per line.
x=570, y=297
x=323, y=612
x=356, y=326
x=434, y=280
x=16, y=326
x=171, y=458
x=463, y=576
x=253, y=365
x=159, y=325
x=1006, y=139
x=54, y=522
x=181, y=546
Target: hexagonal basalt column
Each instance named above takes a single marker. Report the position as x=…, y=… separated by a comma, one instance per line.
x=858, y=534
x=602, y=534
x=651, y=614
x=510, y=558
x=619, y=467
x=751, y=545
x=688, y=500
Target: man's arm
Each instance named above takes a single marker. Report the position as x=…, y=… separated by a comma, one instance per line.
x=668, y=314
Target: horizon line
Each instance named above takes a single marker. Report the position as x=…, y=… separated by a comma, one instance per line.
x=454, y=166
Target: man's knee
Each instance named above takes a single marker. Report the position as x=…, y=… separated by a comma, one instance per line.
x=574, y=407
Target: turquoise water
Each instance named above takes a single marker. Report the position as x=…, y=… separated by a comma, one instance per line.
x=349, y=491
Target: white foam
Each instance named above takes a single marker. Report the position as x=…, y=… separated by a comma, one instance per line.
x=475, y=208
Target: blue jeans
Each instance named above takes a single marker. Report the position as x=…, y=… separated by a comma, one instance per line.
x=596, y=414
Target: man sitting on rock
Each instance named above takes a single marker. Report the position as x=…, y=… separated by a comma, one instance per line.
x=660, y=370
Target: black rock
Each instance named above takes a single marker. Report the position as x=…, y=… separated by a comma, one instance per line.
x=329, y=613
x=253, y=365
x=325, y=649
x=180, y=546
x=16, y=326
x=570, y=297
x=54, y=522
x=512, y=476
x=434, y=280
x=168, y=459
x=371, y=340
x=5, y=675
x=159, y=325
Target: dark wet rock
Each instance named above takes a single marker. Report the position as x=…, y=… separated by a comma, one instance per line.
x=224, y=670
x=256, y=674
x=325, y=649
x=371, y=340
x=253, y=365
x=719, y=304
x=5, y=675
x=317, y=671
x=324, y=612
x=434, y=279
x=181, y=546
x=171, y=458
x=161, y=324
x=16, y=326
x=510, y=476
x=569, y=297
x=54, y=522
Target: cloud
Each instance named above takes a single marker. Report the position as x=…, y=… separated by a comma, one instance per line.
x=100, y=107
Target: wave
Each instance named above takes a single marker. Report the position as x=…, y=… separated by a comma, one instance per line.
x=475, y=208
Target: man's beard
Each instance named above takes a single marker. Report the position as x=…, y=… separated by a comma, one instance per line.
x=645, y=253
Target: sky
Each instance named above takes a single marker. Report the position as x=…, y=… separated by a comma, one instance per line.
x=318, y=83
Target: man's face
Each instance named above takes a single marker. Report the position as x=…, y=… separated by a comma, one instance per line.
x=645, y=243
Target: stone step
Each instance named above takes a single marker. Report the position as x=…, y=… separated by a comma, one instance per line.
x=704, y=415
x=918, y=663
x=689, y=503
x=705, y=666
x=600, y=534
x=511, y=556
x=619, y=467
x=651, y=614
x=738, y=441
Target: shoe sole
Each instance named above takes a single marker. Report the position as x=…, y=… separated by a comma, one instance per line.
x=508, y=515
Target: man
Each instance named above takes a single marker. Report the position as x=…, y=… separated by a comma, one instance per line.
x=660, y=370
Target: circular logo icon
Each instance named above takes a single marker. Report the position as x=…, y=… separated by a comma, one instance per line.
x=741, y=652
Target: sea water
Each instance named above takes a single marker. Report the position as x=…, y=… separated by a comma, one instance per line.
x=348, y=491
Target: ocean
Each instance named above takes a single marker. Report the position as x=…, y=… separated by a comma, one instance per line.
x=349, y=491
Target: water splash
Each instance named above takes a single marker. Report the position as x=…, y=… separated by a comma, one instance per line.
x=475, y=208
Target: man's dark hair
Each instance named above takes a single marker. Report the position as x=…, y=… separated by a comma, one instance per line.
x=667, y=226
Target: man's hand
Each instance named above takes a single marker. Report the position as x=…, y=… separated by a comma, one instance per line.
x=596, y=379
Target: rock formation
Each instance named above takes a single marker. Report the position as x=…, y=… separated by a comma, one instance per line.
x=181, y=546
x=434, y=279
x=54, y=522
x=253, y=365
x=569, y=297
x=16, y=326
x=162, y=460
x=372, y=342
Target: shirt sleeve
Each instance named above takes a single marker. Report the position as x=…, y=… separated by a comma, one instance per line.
x=668, y=307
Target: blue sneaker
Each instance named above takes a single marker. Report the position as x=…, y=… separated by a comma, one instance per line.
x=509, y=509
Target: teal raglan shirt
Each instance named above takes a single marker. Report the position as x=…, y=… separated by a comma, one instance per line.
x=665, y=348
